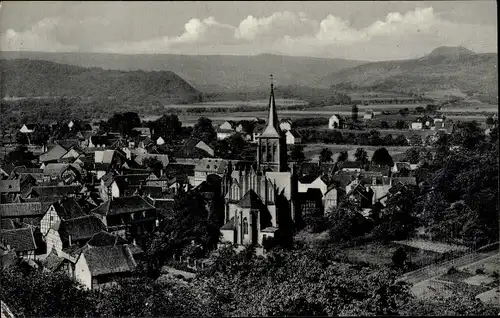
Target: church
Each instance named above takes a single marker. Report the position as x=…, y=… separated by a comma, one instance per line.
x=260, y=196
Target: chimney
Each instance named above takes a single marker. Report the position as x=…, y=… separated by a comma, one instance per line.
x=69, y=238
x=374, y=180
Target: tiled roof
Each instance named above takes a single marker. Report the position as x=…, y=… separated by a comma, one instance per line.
x=81, y=228
x=307, y=179
x=7, y=224
x=229, y=225
x=53, y=154
x=123, y=205
x=17, y=210
x=104, y=238
x=68, y=208
x=164, y=159
x=52, y=261
x=10, y=186
x=55, y=191
x=56, y=169
x=68, y=143
x=405, y=180
x=250, y=200
x=350, y=164
x=21, y=240
x=104, y=260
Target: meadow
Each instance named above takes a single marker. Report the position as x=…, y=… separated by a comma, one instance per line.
x=312, y=151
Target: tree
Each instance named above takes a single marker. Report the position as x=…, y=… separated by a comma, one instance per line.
x=325, y=155
x=345, y=223
x=124, y=122
x=384, y=124
x=343, y=156
x=42, y=294
x=168, y=126
x=297, y=153
x=412, y=155
x=467, y=135
x=204, y=130
x=404, y=112
x=401, y=141
x=354, y=113
x=361, y=155
x=20, y=157
x=401, y=124
x=490, y=121
x=382, y=157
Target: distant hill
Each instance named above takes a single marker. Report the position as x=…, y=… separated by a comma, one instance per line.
x=443, y=68
x=209, y=73
x=34, y=78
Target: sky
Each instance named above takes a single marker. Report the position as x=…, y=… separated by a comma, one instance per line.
x=381, y=30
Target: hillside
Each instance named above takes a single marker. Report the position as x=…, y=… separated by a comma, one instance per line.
x=209, y=73
x=444, y=68
x=34, y=78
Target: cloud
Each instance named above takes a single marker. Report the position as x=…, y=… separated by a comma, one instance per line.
x=398, y=35
x=275, y=26
x=41, y=37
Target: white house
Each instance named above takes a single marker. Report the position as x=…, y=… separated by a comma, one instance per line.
x=416, y=125
x=292, y=137
x=369, y=114
x=160, y=141
x=335, y=122
x=224, y=133
x=309, y=182
x=27, y=128
x=71, y=124
x=226, y=126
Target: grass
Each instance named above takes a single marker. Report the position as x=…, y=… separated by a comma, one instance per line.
x=313, y=150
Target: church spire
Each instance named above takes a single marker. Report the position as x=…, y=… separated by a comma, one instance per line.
x=273, y=128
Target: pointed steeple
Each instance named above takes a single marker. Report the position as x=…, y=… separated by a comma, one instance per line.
x=273, y=128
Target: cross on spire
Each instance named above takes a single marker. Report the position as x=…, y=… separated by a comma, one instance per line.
x=272, y=80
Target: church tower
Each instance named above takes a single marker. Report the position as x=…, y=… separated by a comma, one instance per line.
x=271, y=150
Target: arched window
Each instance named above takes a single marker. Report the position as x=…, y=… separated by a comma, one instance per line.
x=245, y=226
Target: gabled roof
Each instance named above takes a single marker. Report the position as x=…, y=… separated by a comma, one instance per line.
x=123, y=205
x=21, y=210
x=52, y=261
x=100, y=140
x=405, y=180
x=81, y=228
x=250, y=200
x=294, y=133
x=103, y=260
x=68, y=208
x=55, y=191
x=307, y=179
x=56, y=169
x=229, y=225
x=53, y=154
x=7, y=224
x=10, y=186
x=104, y=238
x=68, y=143
x=211, y=165
x=21, y=240
x=350, y=164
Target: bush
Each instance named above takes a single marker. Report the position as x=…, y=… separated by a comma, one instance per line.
x=452, y=270
x=479, y=271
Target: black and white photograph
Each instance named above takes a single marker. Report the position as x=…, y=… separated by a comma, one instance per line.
x=249, y=158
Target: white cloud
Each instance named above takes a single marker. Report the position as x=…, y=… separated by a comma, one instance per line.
x=398, y=35
x=39, y=38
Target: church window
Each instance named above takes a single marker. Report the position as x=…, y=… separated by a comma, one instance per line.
x=245, y=226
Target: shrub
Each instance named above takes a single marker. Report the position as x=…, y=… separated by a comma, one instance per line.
x=452, y=270
x=479, y=271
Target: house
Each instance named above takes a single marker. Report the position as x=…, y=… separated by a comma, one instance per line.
x=369, y=114
x=332, y=197
x=54, y=154
x=10, y=186
x=208, y=166
x=335, y=122
x=258, y=129
x=121, y=185
x=292, y=137
x=144, y=131
x=350, y=166
x=401, y=165
x=98, y=142
x=225, y=130
x=21, y=240
x=67, y=173
x=311, y=182
x=53, y=192
x=100, y=265
x=28, y=128
x=23, y=211
x=417, y=125
x=164, y=159
x=160, y=141
x=71, y=124
x=200, y=145
x=65, y=209
x=310, y=202
x=132, y=214
x=285, y=124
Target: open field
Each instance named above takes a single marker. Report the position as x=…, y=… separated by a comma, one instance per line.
x=385, y=132
x=238, y=103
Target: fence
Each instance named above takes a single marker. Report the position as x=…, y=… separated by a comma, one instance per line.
x=436, y=269
x=187, y=262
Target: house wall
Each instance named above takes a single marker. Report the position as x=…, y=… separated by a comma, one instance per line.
x=223, y=135
x=160, y=141
x=25, y=129
x=53, y=241
x=330, y=199
x=115, y=191
x=98, y=156
x=332, y=121
x=71, y=154
x=100, y=173
x=285, y=126
x=49, y=219
x=416, y=126
x=82, y=272
x=290, y=139
x=316, y=184
x=227, y=236
x=226, y=125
